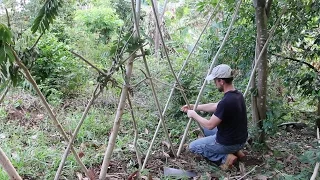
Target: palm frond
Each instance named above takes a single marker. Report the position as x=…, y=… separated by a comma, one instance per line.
x=46, y=15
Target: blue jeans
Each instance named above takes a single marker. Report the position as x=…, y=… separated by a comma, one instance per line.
x=211, y=149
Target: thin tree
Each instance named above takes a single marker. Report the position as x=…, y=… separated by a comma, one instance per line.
x=262, y=10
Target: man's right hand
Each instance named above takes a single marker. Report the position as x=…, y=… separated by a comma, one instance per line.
x=185, y=108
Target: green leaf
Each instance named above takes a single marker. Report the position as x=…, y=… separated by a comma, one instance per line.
x=9, y=53
x=46, y=15
x=5, y=34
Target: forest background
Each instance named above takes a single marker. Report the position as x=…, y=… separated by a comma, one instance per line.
x=90, y=64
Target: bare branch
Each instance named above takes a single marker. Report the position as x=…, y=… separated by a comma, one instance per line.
x=139, y=82
x=248, y=172
x=86, y=61
x=299, y=61
x=34, y=45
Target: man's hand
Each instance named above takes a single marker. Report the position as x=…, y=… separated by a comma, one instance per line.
x=191, y=113
x=185, y=108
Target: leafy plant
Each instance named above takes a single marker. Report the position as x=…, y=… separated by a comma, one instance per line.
x=100, y=20
x=7, y=68
x=56, y=70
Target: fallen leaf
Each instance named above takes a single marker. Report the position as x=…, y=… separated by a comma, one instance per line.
x=91, y=174
x=166, y=154
x=80, y=154
x=166, y=144
x=133, y=175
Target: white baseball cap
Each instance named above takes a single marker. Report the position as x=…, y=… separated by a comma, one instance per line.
x=220, y=71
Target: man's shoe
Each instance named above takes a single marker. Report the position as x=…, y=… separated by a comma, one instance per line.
x=230, y=160
x=240, y=155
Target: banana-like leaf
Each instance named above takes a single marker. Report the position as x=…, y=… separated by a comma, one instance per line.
x=7, y=69
x=5, y=42
x=5, y=34
x=46, y=15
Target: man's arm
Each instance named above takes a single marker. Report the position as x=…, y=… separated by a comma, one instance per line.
x=213, y=122
x=210, y=107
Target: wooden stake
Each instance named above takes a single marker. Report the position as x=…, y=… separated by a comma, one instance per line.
x=5, y=92
x=47, y=107
x=316, y=168
x=95, y=94
x=8, y=167
x=135, y=133
x=117, y=120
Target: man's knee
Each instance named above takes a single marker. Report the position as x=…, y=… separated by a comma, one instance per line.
x=191, y=147
x=195, y=147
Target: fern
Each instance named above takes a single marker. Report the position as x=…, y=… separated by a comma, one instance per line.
x=46, y=15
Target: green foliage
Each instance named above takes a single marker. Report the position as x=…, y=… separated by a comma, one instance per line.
x=101, y=20
x=46, y=15
x=122, y=9
x=7, y=68
x=5, y=34
x=56, y=70
x=311, y=156
x=3, y=174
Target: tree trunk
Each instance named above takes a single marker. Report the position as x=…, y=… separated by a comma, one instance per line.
x=262, y=35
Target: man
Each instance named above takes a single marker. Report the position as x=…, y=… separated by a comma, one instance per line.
x=226, y=131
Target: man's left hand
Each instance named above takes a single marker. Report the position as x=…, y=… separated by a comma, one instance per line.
x=191, y=113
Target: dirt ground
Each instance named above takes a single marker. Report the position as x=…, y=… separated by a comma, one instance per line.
x=284, y=149
x=255, y=165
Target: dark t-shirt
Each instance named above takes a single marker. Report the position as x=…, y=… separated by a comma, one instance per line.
x=231, y=110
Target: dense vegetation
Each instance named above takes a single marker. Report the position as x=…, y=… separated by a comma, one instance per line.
x=64, y=62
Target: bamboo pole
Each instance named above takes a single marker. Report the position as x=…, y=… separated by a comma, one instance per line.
x=117, y=120
x=95, y=94
x=47, y=107
x=263, y=49
x=5, y=92
x=167, y=56
x=8, y=167
x=174, y=85
x=152, y=88
x=135, y=132
x=316, y=168
x=209, y=71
